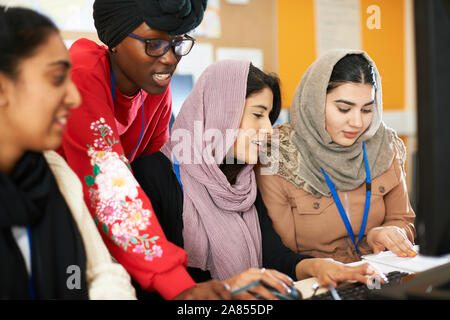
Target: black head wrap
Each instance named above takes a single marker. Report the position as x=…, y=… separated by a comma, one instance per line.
x=114, y=19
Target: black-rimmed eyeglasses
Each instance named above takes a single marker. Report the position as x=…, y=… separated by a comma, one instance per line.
x=159, y=47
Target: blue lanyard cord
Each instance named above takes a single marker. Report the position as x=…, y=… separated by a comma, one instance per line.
x=368, y=196
x=113, y=93
x=176, y=168
x=143, y=127
x=113, y=87
x=31, y=282
x=366, y=205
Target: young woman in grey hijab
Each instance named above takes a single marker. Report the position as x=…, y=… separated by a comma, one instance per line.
x=336, y=187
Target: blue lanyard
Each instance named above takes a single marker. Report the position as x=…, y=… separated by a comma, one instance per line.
x=366, y=205
x=176, y=168
x=113, y=92
x=31, y=282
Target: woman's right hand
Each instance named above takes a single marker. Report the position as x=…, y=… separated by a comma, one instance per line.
x=273, y=278
x=330, y=272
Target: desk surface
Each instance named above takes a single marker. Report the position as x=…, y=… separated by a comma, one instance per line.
x=306, y=287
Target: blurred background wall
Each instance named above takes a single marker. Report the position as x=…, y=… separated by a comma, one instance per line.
x=285, y=37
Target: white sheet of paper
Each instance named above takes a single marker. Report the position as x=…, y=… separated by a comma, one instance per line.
x=417, y=264
x=247, y=54
x=197, y=60
x=238, y=1
x=73, y=15
x=337, y=25
x=211, y=24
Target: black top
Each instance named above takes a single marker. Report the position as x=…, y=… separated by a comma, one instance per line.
x=30, y=197
x=156, y=176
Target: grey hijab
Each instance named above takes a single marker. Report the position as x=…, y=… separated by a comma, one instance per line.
x=305, y=146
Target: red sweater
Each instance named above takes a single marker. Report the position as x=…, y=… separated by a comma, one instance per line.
x=100, y=136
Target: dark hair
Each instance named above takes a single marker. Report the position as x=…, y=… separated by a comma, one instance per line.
x=257, y=80
x=352, y=68
x=22, y=31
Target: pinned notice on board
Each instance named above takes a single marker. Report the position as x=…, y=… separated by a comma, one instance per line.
x=211, y=25
x=238, y=1
x=247, y=54
x=201, y=56
x=73, y=15
x=337, y=25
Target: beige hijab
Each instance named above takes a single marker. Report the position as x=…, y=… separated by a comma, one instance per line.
x=305, y=146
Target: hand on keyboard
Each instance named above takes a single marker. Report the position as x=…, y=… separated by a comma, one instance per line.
x=358, y=291
x=330, y=272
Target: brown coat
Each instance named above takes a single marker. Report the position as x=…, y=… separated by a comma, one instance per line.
x=313, y=226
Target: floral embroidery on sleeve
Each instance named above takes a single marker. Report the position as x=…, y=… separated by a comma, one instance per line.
x=115, y=200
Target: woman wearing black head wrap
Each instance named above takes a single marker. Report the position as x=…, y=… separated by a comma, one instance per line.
x=125, y=113
x=115, y=19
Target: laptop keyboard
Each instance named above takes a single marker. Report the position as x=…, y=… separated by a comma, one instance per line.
x=358, y=291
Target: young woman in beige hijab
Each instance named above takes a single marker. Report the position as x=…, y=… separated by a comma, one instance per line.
x=336, y=141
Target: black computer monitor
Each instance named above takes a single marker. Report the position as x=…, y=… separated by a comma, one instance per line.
x=432, y=29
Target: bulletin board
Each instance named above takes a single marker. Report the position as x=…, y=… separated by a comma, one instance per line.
x=298, y=41
x=252, y=25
